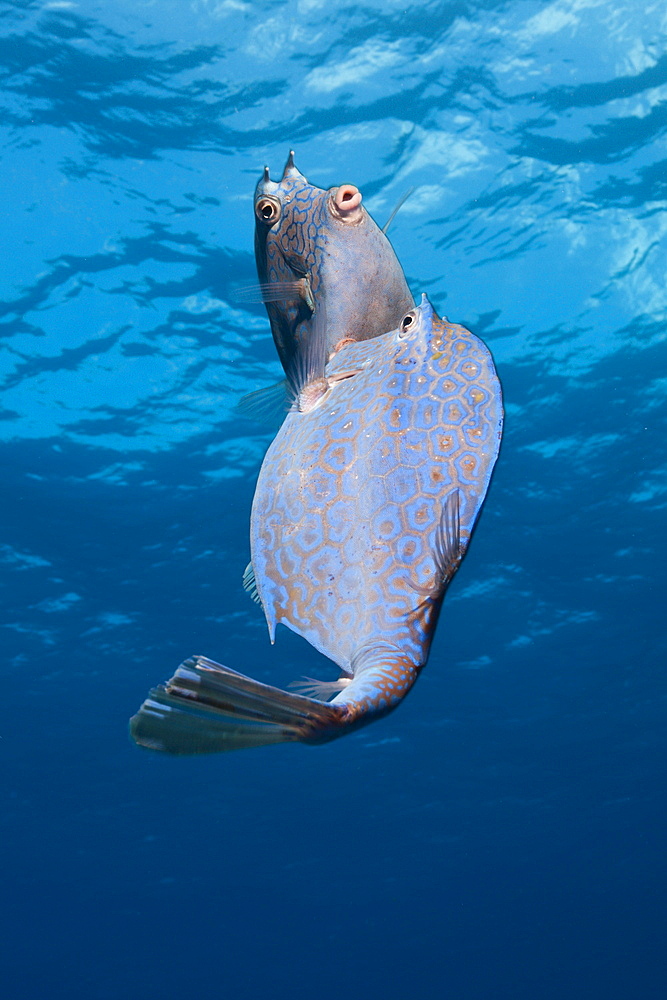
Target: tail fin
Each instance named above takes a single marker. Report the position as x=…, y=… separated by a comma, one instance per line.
x=208, y=708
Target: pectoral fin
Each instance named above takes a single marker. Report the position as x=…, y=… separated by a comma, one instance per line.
x=267, y=404
x=276, y=291
x=306, y=372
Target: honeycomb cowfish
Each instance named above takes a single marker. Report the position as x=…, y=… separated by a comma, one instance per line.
x=321, y=259
x=363, y=510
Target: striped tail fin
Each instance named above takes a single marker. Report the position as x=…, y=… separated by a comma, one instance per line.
x=208, y=708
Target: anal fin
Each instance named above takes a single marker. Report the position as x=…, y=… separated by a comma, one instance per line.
x=322, y=690
x=250, y=583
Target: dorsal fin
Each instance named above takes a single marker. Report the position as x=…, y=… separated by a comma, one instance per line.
x=447, y=549
x=448, y=552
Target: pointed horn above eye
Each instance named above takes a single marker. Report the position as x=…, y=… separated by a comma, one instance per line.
x=266, y=175
x=290, y=164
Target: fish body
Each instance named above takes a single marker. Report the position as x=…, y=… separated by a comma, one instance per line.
x=368, y=495
x=321, y=259
x=365, y=504
x=363, y=510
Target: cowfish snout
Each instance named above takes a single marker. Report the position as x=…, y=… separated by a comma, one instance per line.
x=344, y=203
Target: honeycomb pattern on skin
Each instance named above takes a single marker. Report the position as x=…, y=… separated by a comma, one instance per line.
x=355, y=277
x=348, y=507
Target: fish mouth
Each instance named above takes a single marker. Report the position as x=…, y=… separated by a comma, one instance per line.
x=344, y=203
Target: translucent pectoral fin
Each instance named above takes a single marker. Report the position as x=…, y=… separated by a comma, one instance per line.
x=276, y=291
x=270, y=403
x=310, y=359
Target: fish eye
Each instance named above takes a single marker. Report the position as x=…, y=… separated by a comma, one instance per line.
x=407, y=322
x=268, y=210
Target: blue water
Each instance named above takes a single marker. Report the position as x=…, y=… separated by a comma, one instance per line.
x=502, y=835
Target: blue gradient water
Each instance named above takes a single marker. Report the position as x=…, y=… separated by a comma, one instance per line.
x=502, y=835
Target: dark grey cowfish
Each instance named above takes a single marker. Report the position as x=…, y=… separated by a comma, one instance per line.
x=322, y=263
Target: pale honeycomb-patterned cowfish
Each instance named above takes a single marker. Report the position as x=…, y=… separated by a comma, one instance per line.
x=320, y=252
x=364, y=508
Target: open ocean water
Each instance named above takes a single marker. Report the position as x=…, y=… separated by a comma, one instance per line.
x=502, y=835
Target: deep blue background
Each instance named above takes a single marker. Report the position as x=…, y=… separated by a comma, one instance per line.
x=502, y=835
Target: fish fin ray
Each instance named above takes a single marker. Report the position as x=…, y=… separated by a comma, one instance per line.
x=398, y=206
x=311, y=356
x=448, y=548
x=269, y=403
x=321, y=690
x=274, y=291
x=250, y=583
